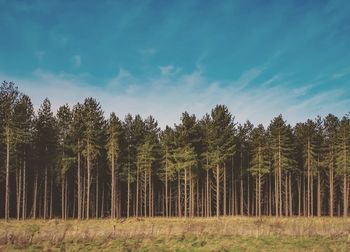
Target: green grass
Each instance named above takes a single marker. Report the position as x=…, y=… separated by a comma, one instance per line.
x=175, y=234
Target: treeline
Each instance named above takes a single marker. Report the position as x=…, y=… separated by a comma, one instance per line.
x=75, y=163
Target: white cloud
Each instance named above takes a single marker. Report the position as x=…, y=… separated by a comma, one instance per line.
x=169, y=70
x=341, y=73
x=166, y=97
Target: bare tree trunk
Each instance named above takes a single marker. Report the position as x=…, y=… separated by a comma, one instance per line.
x=128, y=200
x=35, y=194
x=217, y=190
x=7, y=193
x=66, y=197
x=79, y=186
x=97, y=194
x=207, y=196
x=24, y=203
x=185, y=193
x=318, y=194
x=345, y=197
x=224, y=190
x=113, y=187
x=45, y=194
x=51, y=196
x=166, y=186
x=299, y=195
x=179, y=194
x=241, y=182
x=62, y=198
x=331, y=186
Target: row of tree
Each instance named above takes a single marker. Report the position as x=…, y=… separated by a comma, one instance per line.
x=77, y=164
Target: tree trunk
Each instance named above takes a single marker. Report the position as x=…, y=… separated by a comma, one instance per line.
x=79, y=186
x=88, y=184
x=45, y=194
x=7, y=193
x=113, y=187
x=166, y=185
x=217, y=190
x=241, y=182
x=35, y=196
x=24, y=203
x=331, y=186
x=224, y=190
x=185, y=193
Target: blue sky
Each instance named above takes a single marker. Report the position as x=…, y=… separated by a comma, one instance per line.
x=260, y=58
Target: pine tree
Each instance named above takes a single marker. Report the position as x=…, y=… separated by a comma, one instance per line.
x=343, y=159
x=306, y=134
x=46, y=142
x=223, y=147
x=23, y=117
x=78, y=125
x=65, y=153
x=114, y=132
x=259, y=164
x=331, y=125
x=168, y=168
x=282, y=149
x=243, y=147
x=8, y=98
x=92, y=141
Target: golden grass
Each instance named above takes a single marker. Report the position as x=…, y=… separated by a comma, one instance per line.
x=209, y=234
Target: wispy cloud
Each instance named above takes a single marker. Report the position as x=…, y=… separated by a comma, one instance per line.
x=169, y=70
x=167, y=96
x=341, y=73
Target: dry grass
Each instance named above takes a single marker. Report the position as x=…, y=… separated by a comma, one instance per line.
x=158, y=234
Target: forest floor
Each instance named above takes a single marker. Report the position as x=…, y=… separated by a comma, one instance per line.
x=178, y=234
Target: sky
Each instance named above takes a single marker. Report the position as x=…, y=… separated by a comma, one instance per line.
x=259, y=58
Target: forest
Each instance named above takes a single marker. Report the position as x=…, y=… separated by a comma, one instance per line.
x=75, y=163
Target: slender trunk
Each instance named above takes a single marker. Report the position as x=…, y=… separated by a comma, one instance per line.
x=62, y=198
x=51, y=197
x=79, y=186
x=145, y=193
x=241, y=181
x=345, y=190
x=217, y=190
x=318, y=194
x=128, y=194
x=290, y=195
x=7, y=193
x=24, y=203
x=45, y=194
x=19, y=194
x=331, y=186
x=185, y=193
x=280, y=175
x=35, y=196
x=88, y=183
x=207, y=196
x=345, y=198
x=308, y=178
x=179, y=194
x=224, y=190
x=166, y=186
x=113, y=187
x=97, y=194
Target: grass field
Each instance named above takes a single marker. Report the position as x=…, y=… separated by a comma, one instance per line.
x=175, y=234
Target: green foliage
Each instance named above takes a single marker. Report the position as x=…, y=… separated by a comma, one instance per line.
x=260, y=152
x=281, y=144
